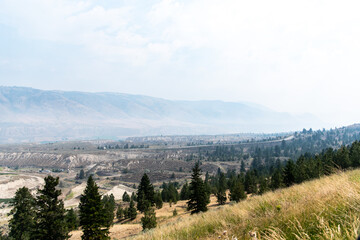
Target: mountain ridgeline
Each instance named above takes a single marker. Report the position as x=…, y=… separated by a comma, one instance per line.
x=35, y=115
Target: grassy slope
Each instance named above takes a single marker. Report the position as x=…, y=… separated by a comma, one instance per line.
x=328, y=208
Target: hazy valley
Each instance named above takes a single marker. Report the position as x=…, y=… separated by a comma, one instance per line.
x=31, y=115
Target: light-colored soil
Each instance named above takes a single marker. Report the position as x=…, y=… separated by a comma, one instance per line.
x=9, y=184
x=119, y=190
x=75, y=193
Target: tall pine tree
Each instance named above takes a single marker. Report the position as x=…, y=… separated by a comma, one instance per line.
x=92, y=215
x=198, y=199
x=109, y=209
x=289, y=173
x=221, y=189
x=50, y=215
x=132, y=210
x=237, y=191
x=23, y=213
x=145, y=194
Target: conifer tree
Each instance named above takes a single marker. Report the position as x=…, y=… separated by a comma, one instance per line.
x=50, y=215
x=149, y=219
x=120, y=213
x=264, y=185
x=242, y=167
x=342, y=157
x=92, y=215
x=126, y=197
x=355, y=154
x=250, y=183
x=132, y=211
x=289, y=173
x=72, y=220
x=145, y=194
x=175, y=212
x=133, y=196
x=109, y=208
x=221, y=189
x=82, y=174
x=198, y=199
x=276, y=180
x=23, y=213
x=237, y=191
x=126, y=213
x=158, y=200
x=184, y=193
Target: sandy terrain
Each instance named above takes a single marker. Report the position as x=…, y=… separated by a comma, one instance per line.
x=75, y=192
x=12, y=182
x=119, y=190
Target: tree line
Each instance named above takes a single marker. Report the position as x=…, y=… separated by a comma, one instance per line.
x=261, y=177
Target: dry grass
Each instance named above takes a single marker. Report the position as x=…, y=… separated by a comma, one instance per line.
x=118, y=231
x=328, y=208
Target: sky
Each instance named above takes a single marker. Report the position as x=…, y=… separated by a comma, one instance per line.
x=291, y=56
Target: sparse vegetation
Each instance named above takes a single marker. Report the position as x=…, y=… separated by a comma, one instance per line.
x=326, y=208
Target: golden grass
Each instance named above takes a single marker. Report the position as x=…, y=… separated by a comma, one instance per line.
x=327, y=208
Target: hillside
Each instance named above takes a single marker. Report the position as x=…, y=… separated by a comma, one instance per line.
x=327, y=208
x=35, y=115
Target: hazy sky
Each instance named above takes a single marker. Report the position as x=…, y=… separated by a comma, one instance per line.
x=292, y=56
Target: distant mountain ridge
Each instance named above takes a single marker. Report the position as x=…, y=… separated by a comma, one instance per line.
x=29, y=114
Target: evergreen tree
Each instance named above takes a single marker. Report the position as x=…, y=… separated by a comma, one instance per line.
x=82, y=174
x=126, y=197
x=50, y=215
x=198, y=199
x=149, y=219
x=158, y=200
x=132, y=211
x=242, y=166
x=276, y=180
x=237, y=191
x=185, y=192
x=175, y=212
x=355, y=154
x=120, y=213
x=133, y=196
x=72, y=220
x=264, y=185
x=23, y=213
x=109, y=208
x=250, y=183
x=145, y=194
x=221, y=189
x=301, y=171
x=342, y=157
x=126, y=213
x=289, y=173
x=92, y=215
